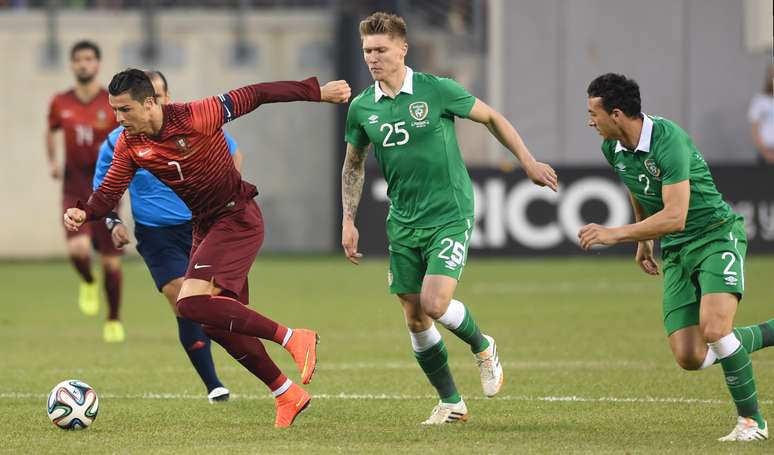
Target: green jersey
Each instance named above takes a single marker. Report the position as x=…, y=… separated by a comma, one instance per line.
x=416, y=147
x=666, y=155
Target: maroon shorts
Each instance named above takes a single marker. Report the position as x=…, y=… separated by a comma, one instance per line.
x=227, y=249
x=100, y=236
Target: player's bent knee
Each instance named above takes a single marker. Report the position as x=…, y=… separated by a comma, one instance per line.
x=418, y=325
x=78, y=251
x=434, y=313
x=688, y=362
x=435, y=306
x=79, y=246
x=111, y=263
x=688, y=357
x=712, y=334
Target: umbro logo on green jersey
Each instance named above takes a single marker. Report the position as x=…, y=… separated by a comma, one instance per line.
x=620, y=167
x=373, y=119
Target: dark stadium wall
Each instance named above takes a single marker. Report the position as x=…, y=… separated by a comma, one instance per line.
x=516, y=218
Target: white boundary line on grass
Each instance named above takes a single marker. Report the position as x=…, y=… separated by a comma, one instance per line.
x=388, y=365
x=388, y=397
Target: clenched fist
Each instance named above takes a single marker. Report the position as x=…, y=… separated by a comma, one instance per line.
x=74, y=218
x=335, y=92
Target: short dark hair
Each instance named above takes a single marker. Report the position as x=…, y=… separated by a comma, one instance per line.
x=160, y=75
x=383, y=23
x=85, y=45
x=617, y=92
x=134, y=81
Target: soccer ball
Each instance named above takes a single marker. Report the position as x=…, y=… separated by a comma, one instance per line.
x=72, y=405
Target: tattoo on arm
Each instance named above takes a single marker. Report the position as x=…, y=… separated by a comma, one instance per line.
x=352, y=178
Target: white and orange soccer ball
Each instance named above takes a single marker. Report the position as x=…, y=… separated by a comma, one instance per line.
x=72, y=405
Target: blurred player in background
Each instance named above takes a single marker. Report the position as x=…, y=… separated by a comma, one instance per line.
x=85, y=116
x=761, y=116
x=703, y=242
x=409, y=119
x=183, y=145
x=164, y=234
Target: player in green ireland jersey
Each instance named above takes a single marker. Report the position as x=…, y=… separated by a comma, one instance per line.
x=703, y=242
x=409, y=118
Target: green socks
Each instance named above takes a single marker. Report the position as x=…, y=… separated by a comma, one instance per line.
x=756, y=337
x=431, y=354
x=434, y=363
x=461, y=323
x=430, y=351
x=753, y=338
x=738, y=372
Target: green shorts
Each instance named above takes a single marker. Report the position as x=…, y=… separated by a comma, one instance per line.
x=416, y=252
x=711, y=264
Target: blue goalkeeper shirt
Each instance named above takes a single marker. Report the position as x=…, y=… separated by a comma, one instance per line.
x=154, y=204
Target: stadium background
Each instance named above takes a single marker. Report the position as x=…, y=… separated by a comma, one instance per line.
x=698, y=62
x=582, y=342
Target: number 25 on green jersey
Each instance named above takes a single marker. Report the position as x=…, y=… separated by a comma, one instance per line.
x=398, y=131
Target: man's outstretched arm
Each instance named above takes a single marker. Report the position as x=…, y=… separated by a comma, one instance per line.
x=540, y=173
x=671, y=218
x=209, y=114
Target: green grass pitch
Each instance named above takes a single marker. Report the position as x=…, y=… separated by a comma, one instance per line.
x=587, y=366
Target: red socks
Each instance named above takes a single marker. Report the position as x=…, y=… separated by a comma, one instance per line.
x=250, y=352
x=230, y=315
x=113, y=280
x=83, y=267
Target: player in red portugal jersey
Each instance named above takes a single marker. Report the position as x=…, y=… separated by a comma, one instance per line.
x=183, y=146
x=85, y=117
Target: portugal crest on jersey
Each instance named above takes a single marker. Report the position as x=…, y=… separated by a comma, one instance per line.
x=182, y=146
x=418, y=110
x=650, y=165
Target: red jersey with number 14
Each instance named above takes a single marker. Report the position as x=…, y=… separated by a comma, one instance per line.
x=190, y=154
x=85, y=126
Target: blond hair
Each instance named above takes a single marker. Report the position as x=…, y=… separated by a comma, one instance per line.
x=383, y=23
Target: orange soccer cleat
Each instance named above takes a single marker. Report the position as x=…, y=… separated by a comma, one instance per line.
x=303, y=347
x=289, y=405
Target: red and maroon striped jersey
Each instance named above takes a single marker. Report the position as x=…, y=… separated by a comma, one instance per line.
x=85, y=126
x=190, y=155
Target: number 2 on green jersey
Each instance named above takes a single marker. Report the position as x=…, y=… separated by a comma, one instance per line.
x=646, y=191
